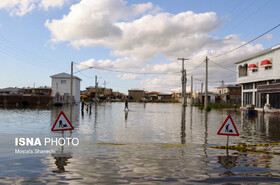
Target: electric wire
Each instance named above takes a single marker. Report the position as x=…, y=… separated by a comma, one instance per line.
x=17, y=52
x=252, y=40
x=130, y=72
x=222, y=66
x=196, y=66
x=261, y=7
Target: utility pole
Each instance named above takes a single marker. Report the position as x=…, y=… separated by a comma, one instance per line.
x=71, y=86
x=104, y=84
x=222, y=86
x=191, y=90
x=201, y=91
x=206, y=84
x=222, y=90
x=96, y=89
x=184, y=80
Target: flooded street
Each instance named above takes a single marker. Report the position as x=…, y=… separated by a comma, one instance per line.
x=151, y=144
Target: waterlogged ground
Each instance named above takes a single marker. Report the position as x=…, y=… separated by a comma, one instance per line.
x=151, y=144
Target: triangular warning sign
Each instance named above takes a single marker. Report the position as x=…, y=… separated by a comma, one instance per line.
x=228, y=128
x=62, y=123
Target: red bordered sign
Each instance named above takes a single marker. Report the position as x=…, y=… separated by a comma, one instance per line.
x=228, y=128
x=62, y=123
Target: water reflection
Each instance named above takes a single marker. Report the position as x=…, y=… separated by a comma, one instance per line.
x=183, y=125
x=142, y=159
x=227, y=161
x=71, y=111
x=125, y=118
x=61, y=160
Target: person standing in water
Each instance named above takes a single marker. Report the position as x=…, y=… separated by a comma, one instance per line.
x=83, y=105
x=126, y=104
x=90, y=105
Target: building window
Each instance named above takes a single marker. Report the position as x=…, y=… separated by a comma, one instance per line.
x=242, y=70
x=63, y=81
x=248, y=86
x=254, y=70
x=260, y=83
x=268, y=67
x=274, y=82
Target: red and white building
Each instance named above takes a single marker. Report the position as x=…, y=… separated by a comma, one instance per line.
x=259, y=77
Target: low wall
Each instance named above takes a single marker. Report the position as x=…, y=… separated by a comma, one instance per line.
x=17, y=100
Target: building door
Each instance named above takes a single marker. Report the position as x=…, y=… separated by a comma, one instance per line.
x=260, y=100
x=247, y=98
x=274, y=100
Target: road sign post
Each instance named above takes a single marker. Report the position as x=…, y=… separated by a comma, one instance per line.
x=62, y=123
x=228, y=129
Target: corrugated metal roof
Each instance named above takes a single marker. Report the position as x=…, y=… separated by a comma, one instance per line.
x=64, y=75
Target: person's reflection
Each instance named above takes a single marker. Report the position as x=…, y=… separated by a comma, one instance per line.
x=183, y=125
x=82, y=114
x=125, y=118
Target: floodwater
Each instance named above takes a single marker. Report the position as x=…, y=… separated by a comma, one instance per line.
x=153, y=143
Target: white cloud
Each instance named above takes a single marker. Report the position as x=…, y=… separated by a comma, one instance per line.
x=22, y=7
x=18, y=7
x=138, y=33
x=91, y=23
x=123, y=64
x=127, y=76
x=132, y=30
x=46, y=4
x=268, y=37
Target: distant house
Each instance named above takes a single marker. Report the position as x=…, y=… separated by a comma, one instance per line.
x=164, y=96
x=228, y=88
x=212, y=98
x=230, y=93
x=152, y=95
x=36, y=91
x=136, y=94
x=176, y=95
x=61, y=84
x=259, y=78
x=117, y=95
x=10, y=91
x=234, y=97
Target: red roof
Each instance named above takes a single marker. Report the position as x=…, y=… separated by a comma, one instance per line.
x=252, y=66
x=266, y=63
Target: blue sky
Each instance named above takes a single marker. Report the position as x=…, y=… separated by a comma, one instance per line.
x=40, y=38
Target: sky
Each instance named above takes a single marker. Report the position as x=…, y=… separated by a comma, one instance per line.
x=131, y=44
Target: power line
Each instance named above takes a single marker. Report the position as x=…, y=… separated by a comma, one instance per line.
x=247, y=42
x=223, y=66
x=20, y=53
x=197, y=79
x=250, y=15
x=79, y=71
x=117, y=71
x=196, y=66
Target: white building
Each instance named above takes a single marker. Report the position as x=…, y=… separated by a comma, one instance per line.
x=259, y=77
x=61, y=83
